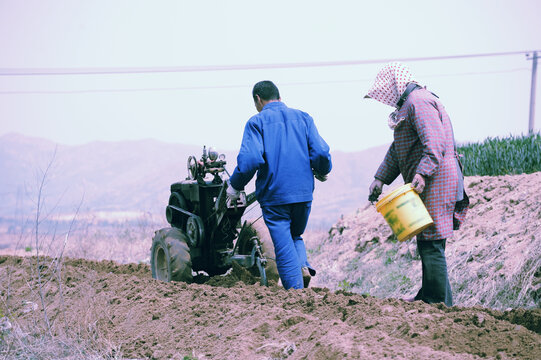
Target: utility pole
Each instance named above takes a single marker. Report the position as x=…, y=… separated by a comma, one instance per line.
x=532, y=92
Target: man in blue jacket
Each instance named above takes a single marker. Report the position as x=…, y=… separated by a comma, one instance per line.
x=284, y=147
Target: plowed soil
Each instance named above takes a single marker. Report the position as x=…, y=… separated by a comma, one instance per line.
x=233, y=317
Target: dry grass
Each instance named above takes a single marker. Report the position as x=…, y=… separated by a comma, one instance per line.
x=29, y=329
x=123, y=242
x=492, y=283
x=493, y=261
x=30, y=332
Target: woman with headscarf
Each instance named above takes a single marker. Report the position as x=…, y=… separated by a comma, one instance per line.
x=423, y=151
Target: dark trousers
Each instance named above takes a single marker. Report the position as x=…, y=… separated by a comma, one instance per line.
x=435, y=287
x=286, y=224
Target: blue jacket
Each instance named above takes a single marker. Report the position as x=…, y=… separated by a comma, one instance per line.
x=283, y=146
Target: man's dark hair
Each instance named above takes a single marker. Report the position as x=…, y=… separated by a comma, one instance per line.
x=266, y=91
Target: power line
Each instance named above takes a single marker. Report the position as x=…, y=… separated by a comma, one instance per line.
x=142, y=70
x=300, y=83
x=90, y=91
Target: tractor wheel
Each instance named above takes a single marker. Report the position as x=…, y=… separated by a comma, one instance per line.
x=260, y=230
x=170, y=256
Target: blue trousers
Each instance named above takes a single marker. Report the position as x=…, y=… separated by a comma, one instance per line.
x=286, y=224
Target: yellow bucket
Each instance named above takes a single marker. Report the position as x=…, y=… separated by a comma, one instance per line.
x=405, y=212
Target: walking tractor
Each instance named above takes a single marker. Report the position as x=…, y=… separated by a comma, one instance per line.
x=206, y=232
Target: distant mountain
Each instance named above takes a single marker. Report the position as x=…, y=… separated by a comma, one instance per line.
x=346, y=189
x=136, y=175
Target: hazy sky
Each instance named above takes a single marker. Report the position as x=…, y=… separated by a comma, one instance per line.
x=486, y=96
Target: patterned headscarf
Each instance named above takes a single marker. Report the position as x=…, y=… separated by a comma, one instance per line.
x=389, y=85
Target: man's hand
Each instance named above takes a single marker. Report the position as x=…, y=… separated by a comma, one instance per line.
x=321, y=178
x=374, y=190
x=418, y=183
x=232, y=194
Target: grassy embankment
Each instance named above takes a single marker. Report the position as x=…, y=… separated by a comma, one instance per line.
x=493, y=261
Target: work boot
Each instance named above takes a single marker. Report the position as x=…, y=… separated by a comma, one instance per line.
x=306, y=277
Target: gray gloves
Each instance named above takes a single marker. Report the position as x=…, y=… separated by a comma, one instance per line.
x=232, y=194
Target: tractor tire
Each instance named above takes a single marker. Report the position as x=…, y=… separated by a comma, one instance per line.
x=170, y=256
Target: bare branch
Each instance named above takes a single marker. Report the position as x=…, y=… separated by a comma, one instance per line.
x=37, y=239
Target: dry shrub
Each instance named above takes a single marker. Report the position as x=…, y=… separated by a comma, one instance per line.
x=55, y=330
x=123, y=245
x=44, y=326
x=123, y=242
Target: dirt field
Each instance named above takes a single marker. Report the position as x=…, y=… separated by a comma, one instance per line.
x=83, y=309
x=122, y=310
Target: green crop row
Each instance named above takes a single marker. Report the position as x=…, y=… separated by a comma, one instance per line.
x=502, y=156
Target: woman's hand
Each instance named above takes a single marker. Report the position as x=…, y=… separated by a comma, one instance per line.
x=418, y=183
x=374, y=190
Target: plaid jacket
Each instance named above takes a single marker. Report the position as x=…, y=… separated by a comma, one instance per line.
x=424, y=144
